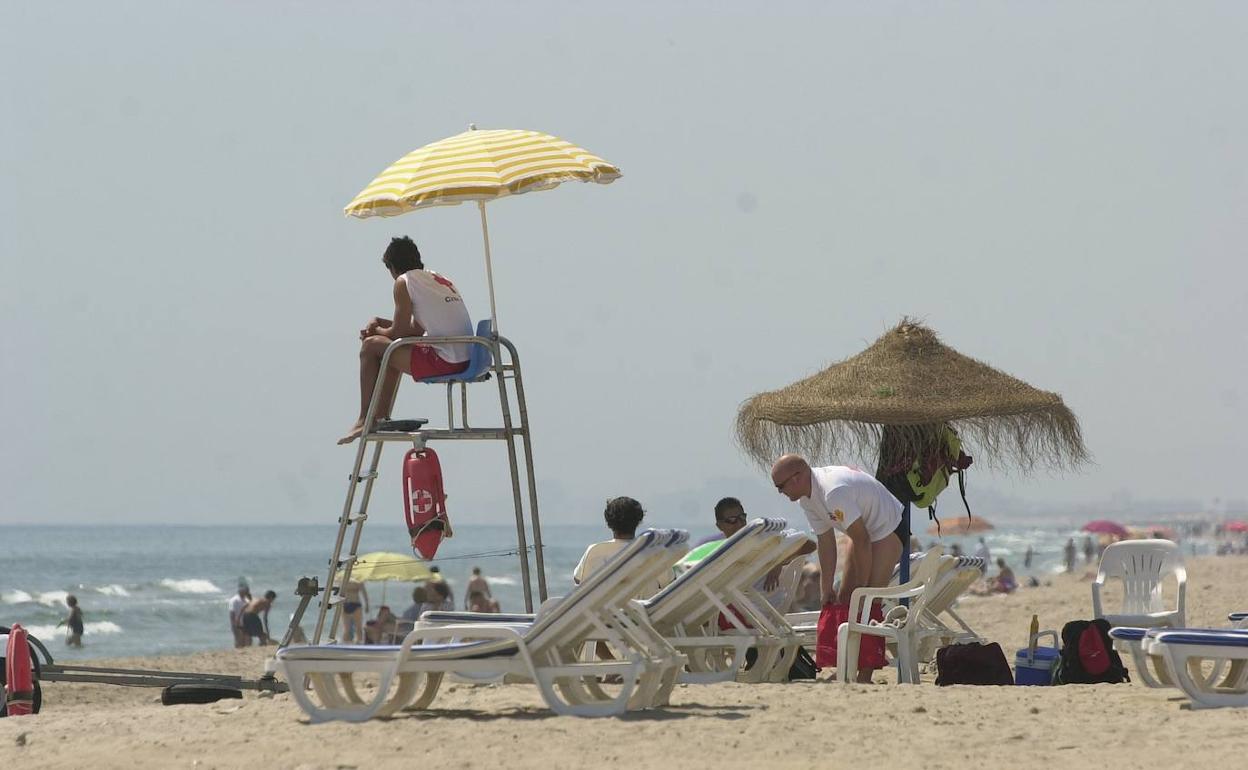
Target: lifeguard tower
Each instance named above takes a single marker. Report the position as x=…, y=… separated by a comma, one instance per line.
x=493, y=357
x=477, y=166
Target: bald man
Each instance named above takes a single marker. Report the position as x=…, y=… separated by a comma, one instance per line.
x=835, y=498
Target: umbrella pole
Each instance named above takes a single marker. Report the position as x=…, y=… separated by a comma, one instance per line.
x=904, y=575
x=489, y=268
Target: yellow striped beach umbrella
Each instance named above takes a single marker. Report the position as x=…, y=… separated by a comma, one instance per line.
x=479, y=166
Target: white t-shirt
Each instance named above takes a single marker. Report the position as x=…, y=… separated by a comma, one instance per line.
x=439, y=310
x=598, y=553
x=236, y=607
x=839, y=496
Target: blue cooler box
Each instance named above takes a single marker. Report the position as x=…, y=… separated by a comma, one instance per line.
x=1036, y=669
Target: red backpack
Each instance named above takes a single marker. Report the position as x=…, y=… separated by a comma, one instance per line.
x=1088, y=655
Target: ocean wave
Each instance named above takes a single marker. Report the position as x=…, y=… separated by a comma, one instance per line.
x=99, y=627
x=503, y=581
x=190, y=586
x=112, y=590
x=52, y=598
x=15, y=596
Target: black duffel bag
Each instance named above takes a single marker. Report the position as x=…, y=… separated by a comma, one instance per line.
x=972, y=664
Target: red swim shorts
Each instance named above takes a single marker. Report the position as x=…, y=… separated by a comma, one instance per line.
x=427, y=363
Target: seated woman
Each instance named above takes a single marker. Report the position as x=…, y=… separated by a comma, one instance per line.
x=479, y=602
x=380, y=629
x=1005, y=582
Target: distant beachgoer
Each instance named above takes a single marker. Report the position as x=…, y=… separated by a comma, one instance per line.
x=256, y=618
x=477, y=583
x=855, y=503
x=916, y=545
x=437, y=577
x=380, y=629
x=955, y=550
x=1089, y=550
x=425, y=303
x=412, y=613
x=238, y=603
x=1027, y=557
x=73, y=622
x=982, y=552
x=1070, y=552
x=1005, y=583
x=808, y=589
x=354, y=607
x=479, y=602
x=437, y=597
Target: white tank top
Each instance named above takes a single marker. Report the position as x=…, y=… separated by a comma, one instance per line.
x=439, y=310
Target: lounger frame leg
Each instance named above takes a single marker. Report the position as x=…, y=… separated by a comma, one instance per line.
x=1180, y=657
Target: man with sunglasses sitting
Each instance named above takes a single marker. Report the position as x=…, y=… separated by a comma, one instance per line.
x=730, y=517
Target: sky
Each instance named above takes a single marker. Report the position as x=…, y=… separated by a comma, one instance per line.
x=1058, y=189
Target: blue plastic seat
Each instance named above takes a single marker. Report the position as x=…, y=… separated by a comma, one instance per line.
x=479, y=360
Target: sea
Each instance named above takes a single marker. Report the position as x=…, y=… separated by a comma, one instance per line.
x=164, y=590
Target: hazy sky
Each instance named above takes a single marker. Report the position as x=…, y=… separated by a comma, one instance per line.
x=1059, y=189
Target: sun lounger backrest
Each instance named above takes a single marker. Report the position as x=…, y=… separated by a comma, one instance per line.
x=564, y=620
x=687, y=590
x=935, y=572
x=637, y=578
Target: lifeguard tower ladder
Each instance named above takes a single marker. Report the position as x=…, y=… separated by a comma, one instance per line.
x=487, y=348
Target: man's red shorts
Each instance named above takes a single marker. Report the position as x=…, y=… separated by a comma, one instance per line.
x=427, y=363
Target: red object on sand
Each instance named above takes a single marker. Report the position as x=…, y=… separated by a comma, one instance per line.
x=424, y=501
x=870, y=648
x=1103, y=527
x=1235, y=526
x=19, y=683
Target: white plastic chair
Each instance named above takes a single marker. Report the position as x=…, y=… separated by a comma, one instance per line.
x=1142, y=566
x=942, y=625
x=545, y=652
x=903, y=625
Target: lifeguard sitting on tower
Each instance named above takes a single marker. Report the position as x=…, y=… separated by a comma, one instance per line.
x=425, y=303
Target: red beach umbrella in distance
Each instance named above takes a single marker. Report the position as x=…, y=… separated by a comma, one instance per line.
x=1236, y=526
x=1104, y=527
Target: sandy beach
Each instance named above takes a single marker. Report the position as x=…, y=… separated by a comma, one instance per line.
x=726, y=725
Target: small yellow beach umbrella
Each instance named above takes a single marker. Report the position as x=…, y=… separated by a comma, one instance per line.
x=383, y=565
x=479, y=166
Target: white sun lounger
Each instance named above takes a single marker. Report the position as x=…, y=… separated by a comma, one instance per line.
x=687, y=610
x=639, y=576
x=544, y=652
x=1153, y=668
x=1184, y=649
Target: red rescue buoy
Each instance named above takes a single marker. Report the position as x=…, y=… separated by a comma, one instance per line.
x=424, y=501
x=19, y=683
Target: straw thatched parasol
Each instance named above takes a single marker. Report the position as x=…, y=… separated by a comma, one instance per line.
x=892, y=399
